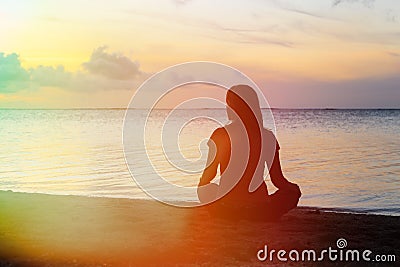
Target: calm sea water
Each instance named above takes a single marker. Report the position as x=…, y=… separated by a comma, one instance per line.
x=340, y=158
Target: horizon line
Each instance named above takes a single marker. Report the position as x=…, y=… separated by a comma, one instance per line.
x=273, y=108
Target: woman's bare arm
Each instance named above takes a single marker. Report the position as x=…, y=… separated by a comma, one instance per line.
x=277, y=177
x=210, y=171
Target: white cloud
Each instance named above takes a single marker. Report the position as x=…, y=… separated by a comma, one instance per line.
x=50, y=76
x=367, y=3
x=13, y=76
x=103, y=71
x=112, y=65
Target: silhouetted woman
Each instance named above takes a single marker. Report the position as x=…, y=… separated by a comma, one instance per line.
x=242, y=149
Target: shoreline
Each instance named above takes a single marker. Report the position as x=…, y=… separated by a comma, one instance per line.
x=52, y=230
x=338, y=210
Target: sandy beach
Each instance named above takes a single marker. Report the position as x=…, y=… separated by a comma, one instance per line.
x=48, y=230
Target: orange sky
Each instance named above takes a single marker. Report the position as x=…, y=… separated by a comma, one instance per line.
x=309, y=50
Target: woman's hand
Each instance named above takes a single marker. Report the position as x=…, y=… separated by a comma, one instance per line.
x=292, y=187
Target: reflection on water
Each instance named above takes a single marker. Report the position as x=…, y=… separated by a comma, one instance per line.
x=340, y=158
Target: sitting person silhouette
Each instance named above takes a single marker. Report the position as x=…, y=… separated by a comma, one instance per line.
x=241, y=149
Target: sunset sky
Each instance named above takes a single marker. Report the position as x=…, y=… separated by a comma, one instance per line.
x=302, y=54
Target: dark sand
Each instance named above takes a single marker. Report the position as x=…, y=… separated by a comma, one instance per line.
x=45, y=230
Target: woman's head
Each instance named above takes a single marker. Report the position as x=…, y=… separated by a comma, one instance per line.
x=243, y=104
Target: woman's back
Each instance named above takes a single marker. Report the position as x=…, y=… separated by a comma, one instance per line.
x=242, y=153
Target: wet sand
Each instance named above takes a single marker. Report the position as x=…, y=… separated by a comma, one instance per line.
x=47, y=230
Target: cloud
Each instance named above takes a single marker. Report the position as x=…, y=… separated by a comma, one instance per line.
x=387, y=37
x=368, y=92
x=393, y=54
x=367, y=3
x=391, y=16
x=181, y=2
x=112, y=65
x=103, y=71
x=302, y=12
x=50, y=76
x=212, y=29
x=286, y=6
x=12, y=75
x=258, y=39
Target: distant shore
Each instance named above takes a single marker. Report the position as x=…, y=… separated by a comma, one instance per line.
x=216, y=108
x=39, y=229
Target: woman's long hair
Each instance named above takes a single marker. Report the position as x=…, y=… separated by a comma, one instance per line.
x=243, y=104
x=244, y=109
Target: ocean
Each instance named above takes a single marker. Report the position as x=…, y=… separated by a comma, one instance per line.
x=343, y=159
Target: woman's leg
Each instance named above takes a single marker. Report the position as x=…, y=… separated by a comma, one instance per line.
x=281, y=202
